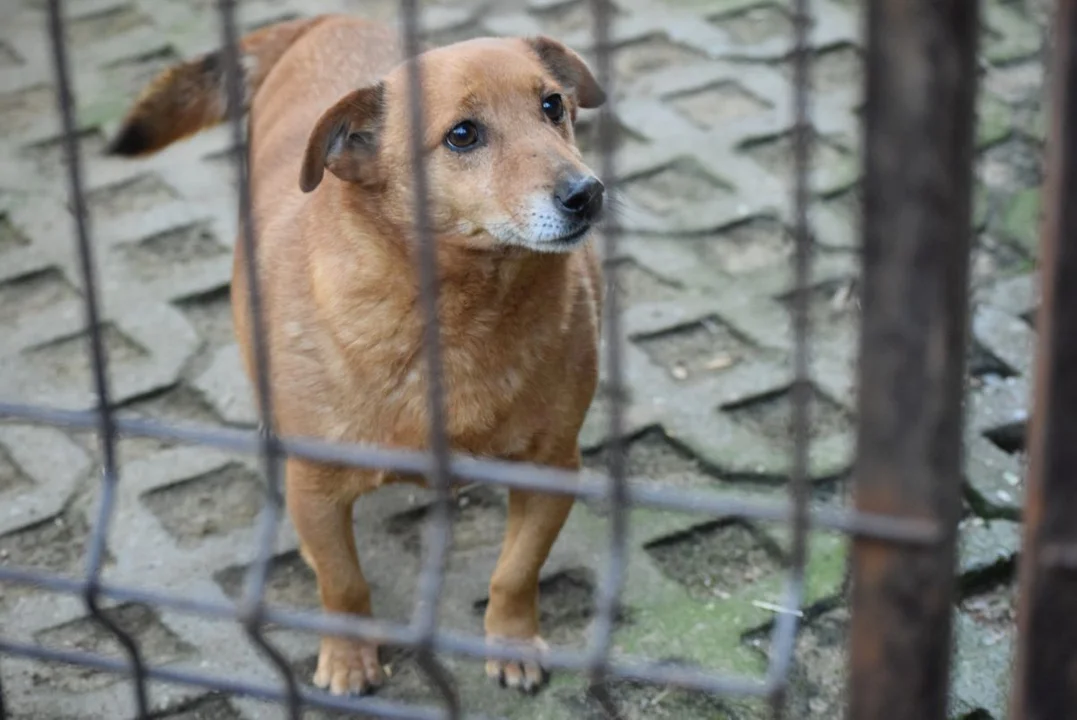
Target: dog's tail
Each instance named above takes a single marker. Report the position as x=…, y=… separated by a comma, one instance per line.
x=192, y=96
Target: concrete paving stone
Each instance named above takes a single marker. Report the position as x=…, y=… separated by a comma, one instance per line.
x=703, y=106
x=1018, y=294
x=219, y=384
x=1010, y=34
x=43, y=468
x=984, y=633
x=987, y=549
x=995, y=477
x=1008, y=337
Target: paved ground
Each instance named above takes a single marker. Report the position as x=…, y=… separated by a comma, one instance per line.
x=704, y=107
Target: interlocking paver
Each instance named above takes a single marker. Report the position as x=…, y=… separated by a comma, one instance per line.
x=704, y=109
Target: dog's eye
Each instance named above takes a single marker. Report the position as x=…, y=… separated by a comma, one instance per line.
x=360, y=138
x=553, y=108
x=463, y=136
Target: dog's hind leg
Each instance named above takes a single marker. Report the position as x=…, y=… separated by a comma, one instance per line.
x=322, y=514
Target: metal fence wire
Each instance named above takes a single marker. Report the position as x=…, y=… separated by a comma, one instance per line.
x=918, y=130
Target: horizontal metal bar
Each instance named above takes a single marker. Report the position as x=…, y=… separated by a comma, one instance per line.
x=499, y=472
x=402, y=635
x=220, y=683
x=689, y=679
x=320, y=622
x=654, y=673
x=1058, y=555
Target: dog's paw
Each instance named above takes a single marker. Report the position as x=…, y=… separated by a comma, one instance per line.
x=348, y=667
x=528, y=676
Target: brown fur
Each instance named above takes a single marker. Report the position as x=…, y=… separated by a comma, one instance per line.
x=193, y=96
x=336, y=253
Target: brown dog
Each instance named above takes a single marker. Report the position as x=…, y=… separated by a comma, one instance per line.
x=511, y=203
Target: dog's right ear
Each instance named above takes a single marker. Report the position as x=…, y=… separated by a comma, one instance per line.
x=345, y=140
x=570, y=69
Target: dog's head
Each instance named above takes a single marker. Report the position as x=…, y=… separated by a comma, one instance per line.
x=502, y=163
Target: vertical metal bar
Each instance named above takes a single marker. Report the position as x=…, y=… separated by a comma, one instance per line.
x=252, y=603
x=921, y=88
x=613, y=576
x=801, y=392
x=439, y=531
x=784, y=645
x=98, y=542
x=1047, y=642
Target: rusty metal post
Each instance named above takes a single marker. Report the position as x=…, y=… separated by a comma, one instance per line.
x=1045, y=683
x=921, y=87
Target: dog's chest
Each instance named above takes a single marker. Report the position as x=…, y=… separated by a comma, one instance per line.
x=489, y=394
x=498, y=393
x=517, y=371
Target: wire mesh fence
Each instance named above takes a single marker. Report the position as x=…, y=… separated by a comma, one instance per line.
x=918, y=124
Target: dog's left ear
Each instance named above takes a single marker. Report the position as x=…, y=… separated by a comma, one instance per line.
x=345, y=139
x=569, y=69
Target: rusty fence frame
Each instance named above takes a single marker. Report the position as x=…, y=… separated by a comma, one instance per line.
x=918, y=134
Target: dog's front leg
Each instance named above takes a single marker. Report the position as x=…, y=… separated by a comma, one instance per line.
x=320, y=505
x=534, y=522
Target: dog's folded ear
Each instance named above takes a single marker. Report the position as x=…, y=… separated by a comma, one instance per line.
x=569, y=69
x=345, y=139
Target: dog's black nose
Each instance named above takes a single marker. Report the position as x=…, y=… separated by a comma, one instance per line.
x=580, y=197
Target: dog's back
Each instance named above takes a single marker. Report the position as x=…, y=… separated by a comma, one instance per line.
x=344, y=53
